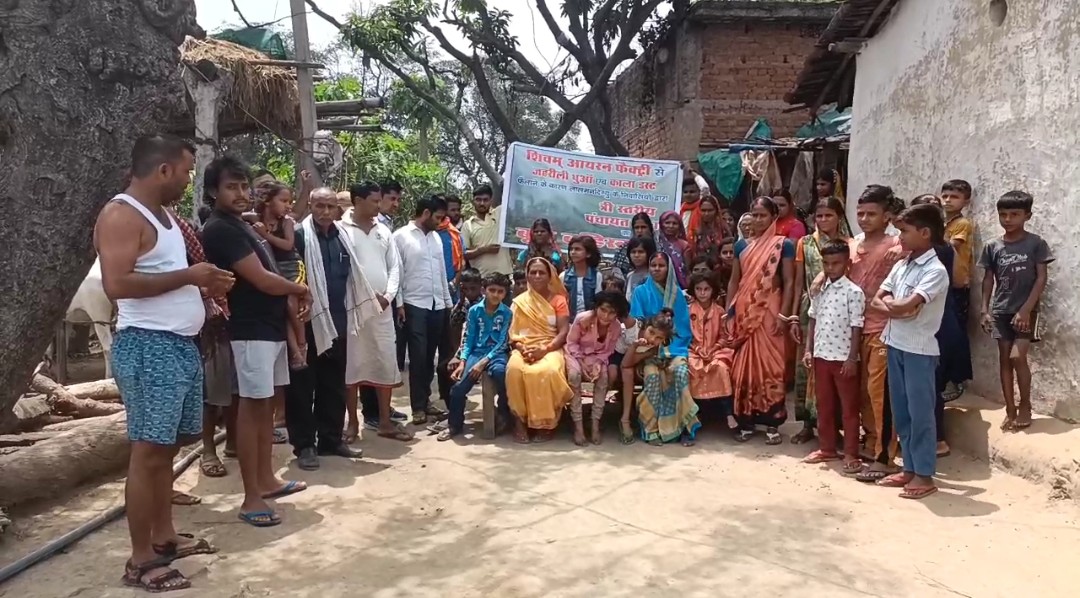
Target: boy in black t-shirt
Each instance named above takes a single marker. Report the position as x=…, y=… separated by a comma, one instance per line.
x=257, y=306
x=1015, y=279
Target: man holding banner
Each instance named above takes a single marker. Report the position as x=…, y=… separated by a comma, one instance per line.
x=481, y=235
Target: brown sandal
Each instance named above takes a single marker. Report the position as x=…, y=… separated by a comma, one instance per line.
x=169, y=581
x=172, y=551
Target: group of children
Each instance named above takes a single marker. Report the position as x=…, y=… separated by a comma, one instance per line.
x=899, y=324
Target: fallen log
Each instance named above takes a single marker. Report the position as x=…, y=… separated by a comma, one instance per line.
x=66, y=423
x=58, y=464
x=29, y=413
x=98, y=390
x=27, y=439
x=64, y=403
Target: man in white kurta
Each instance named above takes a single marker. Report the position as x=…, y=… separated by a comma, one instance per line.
x=372, y=351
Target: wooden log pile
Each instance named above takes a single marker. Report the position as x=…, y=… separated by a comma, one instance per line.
x=59, y=437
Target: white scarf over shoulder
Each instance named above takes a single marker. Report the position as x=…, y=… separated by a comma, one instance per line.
x=361, y=302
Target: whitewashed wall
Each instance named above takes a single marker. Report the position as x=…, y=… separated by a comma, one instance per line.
x=943, y=92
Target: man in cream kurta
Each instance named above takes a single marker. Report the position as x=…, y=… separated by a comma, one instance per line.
x=372, y=353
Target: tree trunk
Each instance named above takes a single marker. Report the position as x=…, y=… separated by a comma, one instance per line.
x=79, y=82
x=57, y=465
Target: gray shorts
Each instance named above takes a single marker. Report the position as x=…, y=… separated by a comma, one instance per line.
x=219, y=381
x=260, y=366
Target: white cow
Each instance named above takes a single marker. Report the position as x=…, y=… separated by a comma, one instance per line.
x=92, y=305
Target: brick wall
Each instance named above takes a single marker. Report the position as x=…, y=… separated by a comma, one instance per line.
x=709, y=83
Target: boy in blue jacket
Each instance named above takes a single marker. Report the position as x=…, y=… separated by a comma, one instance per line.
x=484, y=349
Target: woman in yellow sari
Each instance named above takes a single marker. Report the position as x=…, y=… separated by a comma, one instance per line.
x=535, y=375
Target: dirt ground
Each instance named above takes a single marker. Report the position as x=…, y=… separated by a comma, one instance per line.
x=484, y=519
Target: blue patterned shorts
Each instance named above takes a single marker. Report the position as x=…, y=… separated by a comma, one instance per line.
x=160, y=378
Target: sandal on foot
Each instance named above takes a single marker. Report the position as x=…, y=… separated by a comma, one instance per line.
x=743, y=435
x=168, y=581
x=172, y=550
x=229, y=453
x=851, y=468
x=656, y=442
x=349, y=435
x=803, y=435
x=626, y=433
x=260, y=518
x=212, y=467
x=183, y=499
x=400, y=434
x=895, y=480
x=447, y=434
x=773, y=437
x=917, y=493
x=289, y=488
x=820, y=457
x=1009, y=425
x=280, y=436
x=872, y=476
x=687, y=440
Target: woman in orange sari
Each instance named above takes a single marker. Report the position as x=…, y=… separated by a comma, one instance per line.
x=760, y=294
x=536, y=384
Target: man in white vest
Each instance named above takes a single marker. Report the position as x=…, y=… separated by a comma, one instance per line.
x=156, y=362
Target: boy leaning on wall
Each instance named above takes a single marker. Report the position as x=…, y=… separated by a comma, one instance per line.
x=1016, y=266
x=960, y=233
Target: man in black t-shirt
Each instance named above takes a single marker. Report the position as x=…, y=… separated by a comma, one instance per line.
x=257, y=305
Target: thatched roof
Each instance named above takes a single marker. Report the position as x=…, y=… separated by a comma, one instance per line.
x=261, y=96
x=829, y=76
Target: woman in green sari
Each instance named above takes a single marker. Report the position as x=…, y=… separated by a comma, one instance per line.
x=829, y=223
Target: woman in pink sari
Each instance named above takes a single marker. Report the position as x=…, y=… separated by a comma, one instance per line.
x=760, y=295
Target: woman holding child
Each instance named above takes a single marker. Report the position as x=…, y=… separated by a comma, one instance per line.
x=760, y=294
x=535, y=381
x=666, y=411
x=808, y=266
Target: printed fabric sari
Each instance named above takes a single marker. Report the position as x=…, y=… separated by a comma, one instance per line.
x=758, y=368
x=705, y=240
x=710, y=365
x=809, y=253
x=665, y=407
x=537, y=392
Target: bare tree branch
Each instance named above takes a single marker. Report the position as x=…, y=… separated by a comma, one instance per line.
x=482, y=84
x=325, y=15
x=241, y=15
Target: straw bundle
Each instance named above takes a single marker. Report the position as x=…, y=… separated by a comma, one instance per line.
x=262, y=93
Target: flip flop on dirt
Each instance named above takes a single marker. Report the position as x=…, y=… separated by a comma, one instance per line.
x=1009, y=425
x=280, y=436
x=289, y=488
x=687, y=440
x=174, y=551
x=851, y=468
x=773, y=437
x=820, y=457
x=260, y=518
x=917, y=492
x=398, y=434
x=350, y=433
x=169, y=580
x=626, y=433
x=803, y=435
x=212, y=467
x=896, y=480
x=183, y=499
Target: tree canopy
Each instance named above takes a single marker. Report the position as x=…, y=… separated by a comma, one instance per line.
x=408, y=38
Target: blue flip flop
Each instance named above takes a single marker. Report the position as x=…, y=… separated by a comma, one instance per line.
x=289, y=488
x=254, y=517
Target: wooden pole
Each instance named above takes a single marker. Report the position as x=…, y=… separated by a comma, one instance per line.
x=306, y=86
x=207, y=89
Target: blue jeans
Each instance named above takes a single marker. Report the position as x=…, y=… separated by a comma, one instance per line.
x=912, y=390
x=496, y=370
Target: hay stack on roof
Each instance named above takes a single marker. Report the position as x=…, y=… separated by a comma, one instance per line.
x=261, y=96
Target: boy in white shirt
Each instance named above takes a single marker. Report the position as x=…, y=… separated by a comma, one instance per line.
x=913, y=296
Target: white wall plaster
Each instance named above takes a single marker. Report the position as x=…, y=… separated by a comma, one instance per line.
x=942, y=92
